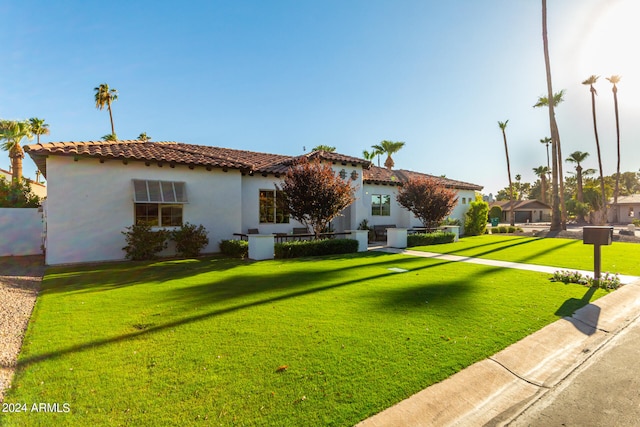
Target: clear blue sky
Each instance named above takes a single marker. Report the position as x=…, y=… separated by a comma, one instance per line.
x=277, y=76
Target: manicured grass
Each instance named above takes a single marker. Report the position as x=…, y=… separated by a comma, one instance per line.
x=619, y=257
x=215, y=341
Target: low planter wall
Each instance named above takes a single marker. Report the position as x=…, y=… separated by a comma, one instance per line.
x=20, y=231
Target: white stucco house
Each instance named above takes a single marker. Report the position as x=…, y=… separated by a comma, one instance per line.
x=96, y=189
x=628, y=209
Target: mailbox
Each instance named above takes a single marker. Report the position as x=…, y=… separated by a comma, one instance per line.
x=597, y=235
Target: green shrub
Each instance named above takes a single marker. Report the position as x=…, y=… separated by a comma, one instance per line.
x=476, y=218
x=17, y=194
x=495, y=212
x=190, y=240
x=424, y=239
x=143, y=242
x=511, y=229
x=302, y=248
x=235, y=248
x=636, y=222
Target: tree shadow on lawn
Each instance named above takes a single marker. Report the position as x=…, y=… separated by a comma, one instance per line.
x=502, y=248
x=109, y=276
x=496, y=243
x=227, y=289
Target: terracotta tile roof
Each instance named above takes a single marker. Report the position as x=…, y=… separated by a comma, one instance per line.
x=200, y=155
x=378, y=175
x=179, y=153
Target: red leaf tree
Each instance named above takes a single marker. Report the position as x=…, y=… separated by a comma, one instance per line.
x=428, y=199
x=315, y=195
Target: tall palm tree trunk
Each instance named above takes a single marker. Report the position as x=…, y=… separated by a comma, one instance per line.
x=563, y=208
x=113, y=132
x=16, y=154
x=556, y=223
x=617, y=187
x=512, y=219
x=603, y=220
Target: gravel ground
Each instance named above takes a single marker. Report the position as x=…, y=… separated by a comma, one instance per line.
x=20, y=279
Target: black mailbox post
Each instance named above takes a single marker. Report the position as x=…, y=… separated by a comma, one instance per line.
x=597, y=236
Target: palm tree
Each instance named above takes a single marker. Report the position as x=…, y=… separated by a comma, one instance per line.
x=38, y=127
x=105, y=96
x=558, y=215
x=541, y=172
x=374, y=152
x=556, y=152
x=578, y=157
x=323, y=147
x=144, y=137
x=389, y=148
x=546, y=140
x=12, y=133
x=590, y=82
x=369, y=155
x=503, y=126
x=110, y=137
x=613, y=80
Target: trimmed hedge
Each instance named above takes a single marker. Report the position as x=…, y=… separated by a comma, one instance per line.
x=302, y=248
x=235, y=248
x=425, y=239
x=505, y=229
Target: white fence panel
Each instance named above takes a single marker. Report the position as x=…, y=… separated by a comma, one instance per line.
x=20, y=231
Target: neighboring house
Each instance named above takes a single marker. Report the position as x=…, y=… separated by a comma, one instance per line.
x=37, y=188
x=628, y=209
x=525, y=211
x=98, y=188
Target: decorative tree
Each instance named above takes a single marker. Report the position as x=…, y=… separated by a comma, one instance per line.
x=428, y=199
x=315, y=195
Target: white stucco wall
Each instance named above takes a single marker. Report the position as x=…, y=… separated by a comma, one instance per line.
x=400, y=216
x=20, y=231
x=251, y=186
x=90, y=203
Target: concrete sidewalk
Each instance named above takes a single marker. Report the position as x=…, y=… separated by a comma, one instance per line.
x=580, y=370
x=505, y=264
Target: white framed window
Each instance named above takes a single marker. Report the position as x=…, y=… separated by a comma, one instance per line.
x=380, y=205
x=273, y=207
x=158, y=203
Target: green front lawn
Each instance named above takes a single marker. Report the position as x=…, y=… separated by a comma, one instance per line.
x=619, y=257
x=215, y=341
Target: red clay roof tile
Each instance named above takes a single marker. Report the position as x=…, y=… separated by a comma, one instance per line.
x=200, y=155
